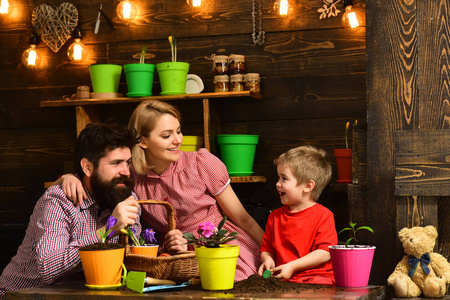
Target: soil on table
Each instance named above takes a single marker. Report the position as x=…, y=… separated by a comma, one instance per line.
x=257, y=284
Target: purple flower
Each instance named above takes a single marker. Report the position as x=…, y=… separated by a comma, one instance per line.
x=149, y=236
x=110, y=223
x=207, y=229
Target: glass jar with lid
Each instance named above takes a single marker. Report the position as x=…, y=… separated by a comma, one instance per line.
x=252, y=82
x=221, y=83
x=237, y=83
x=236, y=64
x=220, y=64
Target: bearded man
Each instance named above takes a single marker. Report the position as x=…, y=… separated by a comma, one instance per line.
x=57, y=228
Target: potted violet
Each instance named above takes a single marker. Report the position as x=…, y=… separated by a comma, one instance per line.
x=173, y=75
x=146, y=244
x=216, y=260
x=103, y=262
x=352, y=263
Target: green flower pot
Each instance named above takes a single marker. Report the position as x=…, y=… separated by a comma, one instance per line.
x=139, y=79
x=238, y=152
x=105, y=78
x=172, y=77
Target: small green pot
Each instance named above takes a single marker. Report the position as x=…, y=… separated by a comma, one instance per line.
x=172, y=77
x=139, y=79
x=105, y=78
x=238, y=152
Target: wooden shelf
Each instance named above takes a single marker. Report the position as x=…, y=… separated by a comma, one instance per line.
x=248, y=179
x=85, y=102
x=87, y=111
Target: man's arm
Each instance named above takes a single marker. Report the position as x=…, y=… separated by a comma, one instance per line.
x=59, y=235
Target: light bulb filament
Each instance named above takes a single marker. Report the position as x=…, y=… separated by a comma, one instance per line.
x=197, y=3
x=4, y=7
x=77, y=52
x=353, y=20
x=126, y=10
x=32, y=57
x=283, y=7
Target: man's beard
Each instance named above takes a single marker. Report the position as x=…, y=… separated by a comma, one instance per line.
x=107, y=194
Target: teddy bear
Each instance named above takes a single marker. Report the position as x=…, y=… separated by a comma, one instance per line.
x=420, y=270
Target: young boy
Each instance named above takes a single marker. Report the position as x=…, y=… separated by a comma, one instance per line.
x=297, y=236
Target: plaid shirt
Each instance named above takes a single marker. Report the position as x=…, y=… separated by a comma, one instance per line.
x=49, y=251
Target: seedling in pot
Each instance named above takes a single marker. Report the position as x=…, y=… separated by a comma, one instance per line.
x=353, y=229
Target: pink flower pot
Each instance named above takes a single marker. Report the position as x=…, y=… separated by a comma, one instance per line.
x=352, y=264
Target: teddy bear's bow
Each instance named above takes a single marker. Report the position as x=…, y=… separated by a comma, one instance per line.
x=424, y=262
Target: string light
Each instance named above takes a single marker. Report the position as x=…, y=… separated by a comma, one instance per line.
x=196, y=3
x=77, y=51
x=282, y=7
x=31, y=57
x=126, y=10
x=5, y=7
x=351, y=18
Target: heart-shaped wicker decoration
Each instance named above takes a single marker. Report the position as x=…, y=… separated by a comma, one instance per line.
x=55, y=26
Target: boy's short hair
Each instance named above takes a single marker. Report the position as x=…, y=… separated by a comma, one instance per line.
x=308, y=163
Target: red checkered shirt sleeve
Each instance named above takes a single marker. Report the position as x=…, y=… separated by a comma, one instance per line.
x=61, y=229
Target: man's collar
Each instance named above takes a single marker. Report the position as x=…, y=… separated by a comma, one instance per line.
x=88, y=202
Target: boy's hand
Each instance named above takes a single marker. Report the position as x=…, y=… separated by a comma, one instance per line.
x=267, y=264
x=285, y=271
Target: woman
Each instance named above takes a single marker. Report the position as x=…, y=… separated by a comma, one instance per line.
x=195, y=183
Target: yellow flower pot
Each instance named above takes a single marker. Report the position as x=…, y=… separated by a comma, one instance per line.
x=217, y=266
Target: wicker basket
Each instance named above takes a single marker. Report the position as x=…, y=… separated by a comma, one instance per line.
x=179, y=267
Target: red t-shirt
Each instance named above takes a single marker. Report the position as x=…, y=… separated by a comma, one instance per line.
x=289, y=236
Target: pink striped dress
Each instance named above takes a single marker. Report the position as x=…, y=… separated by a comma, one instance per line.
x=190, y=184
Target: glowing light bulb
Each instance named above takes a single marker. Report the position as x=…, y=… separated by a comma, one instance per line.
x=352, y=19
x=5, y=7
x=126, y=10
x=282, y=7
x=77, y=51
x=195, y=3
x=31, y=57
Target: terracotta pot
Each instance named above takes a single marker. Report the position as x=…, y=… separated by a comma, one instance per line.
x=148, y=250
x=102, y=268
x=344, y=165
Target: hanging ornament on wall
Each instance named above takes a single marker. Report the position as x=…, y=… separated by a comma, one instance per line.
x=328, y=11
x=55, y=26
x=257, y=39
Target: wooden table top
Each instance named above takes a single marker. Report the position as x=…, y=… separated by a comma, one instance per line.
x=77, y=290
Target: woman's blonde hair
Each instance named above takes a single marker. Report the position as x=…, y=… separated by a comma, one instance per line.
x=143, y=120
x=308, y=163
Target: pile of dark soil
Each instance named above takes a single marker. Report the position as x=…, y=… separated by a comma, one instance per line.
x=259, y=284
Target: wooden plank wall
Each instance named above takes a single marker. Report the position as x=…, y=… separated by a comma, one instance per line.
x=312, y=70
x=407, y=90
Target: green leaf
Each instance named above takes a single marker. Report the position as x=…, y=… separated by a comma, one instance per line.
x=366, y=228
x=348, y=242
x=234, y=233
x=345, y=229
x=222, y=223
